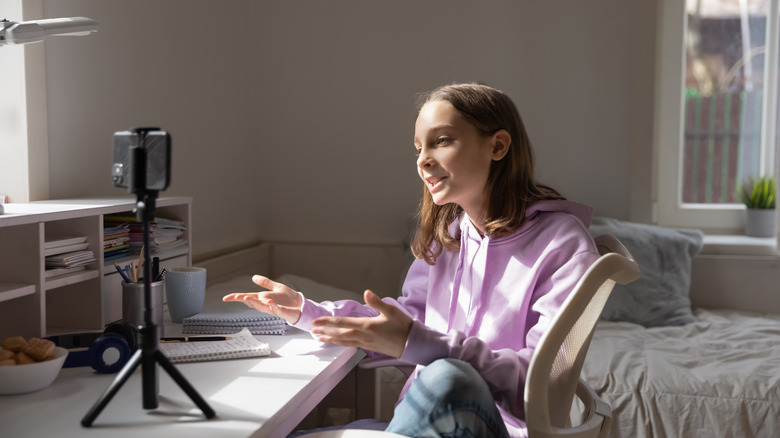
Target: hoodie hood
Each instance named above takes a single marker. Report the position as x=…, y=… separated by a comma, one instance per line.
x=534, y=212
x=581, y=211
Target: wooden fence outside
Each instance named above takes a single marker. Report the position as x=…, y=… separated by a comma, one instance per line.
x=722, y=145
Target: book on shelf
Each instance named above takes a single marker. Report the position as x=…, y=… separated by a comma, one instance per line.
x=169, y=223
x=172, y=245
x=116, y=253
x=115, y=231
x=62, y=241
x=119, y=241
x=65, y=249
x=69, y=259
x=233, y=319
x=56, y=272
x=241, y=344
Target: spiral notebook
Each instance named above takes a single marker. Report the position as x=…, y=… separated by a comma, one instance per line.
x=231, y=318
x=242, y=344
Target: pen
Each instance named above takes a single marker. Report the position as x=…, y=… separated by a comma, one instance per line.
x=161, y=276
x=118, y=269
x=195, y=339
x=128, y=273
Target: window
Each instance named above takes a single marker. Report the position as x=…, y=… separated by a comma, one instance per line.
x=716, y=108
x=24, y=165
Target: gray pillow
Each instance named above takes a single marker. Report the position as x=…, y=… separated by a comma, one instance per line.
x=660, y=296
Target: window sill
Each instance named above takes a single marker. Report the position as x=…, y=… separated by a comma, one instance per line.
x=739, y=245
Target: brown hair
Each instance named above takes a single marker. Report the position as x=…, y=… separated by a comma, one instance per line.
x=511, y=186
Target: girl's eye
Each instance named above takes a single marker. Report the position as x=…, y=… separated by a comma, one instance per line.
x=417, y=152
x=441, y=140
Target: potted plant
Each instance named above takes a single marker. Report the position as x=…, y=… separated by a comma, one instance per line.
x=758, y=195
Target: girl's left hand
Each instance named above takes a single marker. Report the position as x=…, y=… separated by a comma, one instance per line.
x=385, y=333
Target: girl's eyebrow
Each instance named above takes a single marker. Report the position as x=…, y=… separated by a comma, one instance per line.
x=442, y=127
x=435, y=130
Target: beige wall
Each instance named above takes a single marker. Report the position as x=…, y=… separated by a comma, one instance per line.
x=292, y=120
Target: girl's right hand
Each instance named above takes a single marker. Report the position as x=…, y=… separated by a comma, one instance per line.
x=279, y=300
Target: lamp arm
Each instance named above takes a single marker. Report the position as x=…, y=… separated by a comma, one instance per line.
x=12, y=32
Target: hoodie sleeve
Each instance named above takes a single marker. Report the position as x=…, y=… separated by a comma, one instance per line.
x=504, y=370
x=311, y=310
x=412, y=303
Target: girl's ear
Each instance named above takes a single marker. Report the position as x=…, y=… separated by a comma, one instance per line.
x=501, y=142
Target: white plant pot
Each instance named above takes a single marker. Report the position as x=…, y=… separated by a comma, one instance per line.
x=760, y=222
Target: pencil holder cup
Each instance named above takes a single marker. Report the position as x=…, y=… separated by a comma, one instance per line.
x=185, y=289
x=133, y=304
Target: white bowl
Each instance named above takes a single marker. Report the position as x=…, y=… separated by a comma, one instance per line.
x=19, y=379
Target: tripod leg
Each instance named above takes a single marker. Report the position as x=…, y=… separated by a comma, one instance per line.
x=184, y=384
x=112, y=389
x=149, y=388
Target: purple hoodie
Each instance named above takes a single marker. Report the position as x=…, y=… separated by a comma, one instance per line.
x=489, y=303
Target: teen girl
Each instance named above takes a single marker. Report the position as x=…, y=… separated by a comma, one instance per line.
x=496, y=255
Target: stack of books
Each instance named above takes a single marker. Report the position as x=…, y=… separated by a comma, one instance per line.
x=64, y=255
x=164, y=234
x=232, y=320
x=116, y=241
x=168, y=233
x=135, y=230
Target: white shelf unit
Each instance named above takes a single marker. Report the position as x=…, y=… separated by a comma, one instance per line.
x=87, y=300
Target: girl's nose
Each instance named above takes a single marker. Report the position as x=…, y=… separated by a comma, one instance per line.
x=424, y=159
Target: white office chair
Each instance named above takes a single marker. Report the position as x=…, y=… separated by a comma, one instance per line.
x=553, y=376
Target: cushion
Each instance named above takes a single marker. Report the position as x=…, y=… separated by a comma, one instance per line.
x=660, y=296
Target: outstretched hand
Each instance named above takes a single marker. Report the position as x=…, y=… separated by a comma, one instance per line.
x=279, y=300
x=385, y=333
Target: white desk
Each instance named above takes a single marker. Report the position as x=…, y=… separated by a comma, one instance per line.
x=257, y=397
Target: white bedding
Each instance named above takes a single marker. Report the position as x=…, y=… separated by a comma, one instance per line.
x=717, y=377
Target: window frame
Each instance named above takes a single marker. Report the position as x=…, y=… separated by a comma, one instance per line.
x=668, y=126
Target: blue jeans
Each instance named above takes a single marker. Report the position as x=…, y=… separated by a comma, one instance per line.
x=449, y=399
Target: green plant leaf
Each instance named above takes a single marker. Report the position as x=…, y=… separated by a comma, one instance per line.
x=759, y=192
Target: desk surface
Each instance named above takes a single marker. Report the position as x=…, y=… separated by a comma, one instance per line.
x=257, y=397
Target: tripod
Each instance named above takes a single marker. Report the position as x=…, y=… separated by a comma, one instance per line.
x=149, y=355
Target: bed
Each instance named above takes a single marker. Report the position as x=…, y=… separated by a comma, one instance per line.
x=716, y=377
x=669, y=370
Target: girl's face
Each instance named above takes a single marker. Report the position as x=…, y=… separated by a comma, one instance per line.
x=453, y=159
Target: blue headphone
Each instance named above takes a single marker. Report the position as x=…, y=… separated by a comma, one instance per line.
x=107, y=352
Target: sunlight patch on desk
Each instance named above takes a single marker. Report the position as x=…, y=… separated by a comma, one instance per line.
x=250, y=395
x=304, y=366
x=297, y=347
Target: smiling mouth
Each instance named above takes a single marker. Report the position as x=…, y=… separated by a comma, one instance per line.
x=434, y=183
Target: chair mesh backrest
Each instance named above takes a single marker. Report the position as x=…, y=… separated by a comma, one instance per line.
x=554, y=372
x=571, y=357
